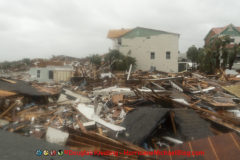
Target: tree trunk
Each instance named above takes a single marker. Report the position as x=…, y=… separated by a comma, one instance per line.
x=218, y=60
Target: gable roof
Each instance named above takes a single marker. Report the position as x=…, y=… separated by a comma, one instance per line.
x=142, y=121
x=191, y=125
x=24, y=88
x=136, y=32
x=145, y=32
x=115, y=33
x=219, y=30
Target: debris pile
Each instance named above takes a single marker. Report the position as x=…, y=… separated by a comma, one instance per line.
x=137, y=111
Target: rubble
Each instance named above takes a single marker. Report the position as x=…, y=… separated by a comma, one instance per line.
x=56, y=136
x=135, y=111
x=88, y=112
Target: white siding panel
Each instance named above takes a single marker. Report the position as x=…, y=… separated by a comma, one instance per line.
x=141, y=47
x=62, y=75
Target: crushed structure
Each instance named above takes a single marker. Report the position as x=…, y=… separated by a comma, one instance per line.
x=134, y=111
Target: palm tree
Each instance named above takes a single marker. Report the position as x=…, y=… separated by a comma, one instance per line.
x=218, y=46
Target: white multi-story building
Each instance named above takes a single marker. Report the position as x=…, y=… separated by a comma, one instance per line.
x=153, y=49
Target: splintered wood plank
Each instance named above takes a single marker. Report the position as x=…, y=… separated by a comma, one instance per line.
x=9, y=108
x=8, y=80
x=6, y=93
x=217, y=104
x=82, y=128
x=117, y=98
x=219, y=121
x=27, y=110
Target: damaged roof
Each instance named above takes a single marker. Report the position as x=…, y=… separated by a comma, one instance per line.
x=22, y=87
x=14, y=146
x=141, y=122
x=191, y=126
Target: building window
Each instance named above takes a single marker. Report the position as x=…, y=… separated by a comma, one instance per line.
x=119, y=41
x=168, y=55
x=152, y=55
x=50, y=74
x=232, y=40
x=152, y=68
x=38, y=73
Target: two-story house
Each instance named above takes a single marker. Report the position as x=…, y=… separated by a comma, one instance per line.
x=230, y=30
x=153, y=49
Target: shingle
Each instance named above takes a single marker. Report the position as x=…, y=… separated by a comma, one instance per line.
x=22, y=88
x=141, y=122
x=191, y=125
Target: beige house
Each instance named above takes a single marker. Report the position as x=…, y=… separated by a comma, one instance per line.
x=51, y=73
x=153, y=49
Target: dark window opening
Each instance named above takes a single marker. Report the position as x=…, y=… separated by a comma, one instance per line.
x=119, y=41
x=38, y=73
x=232, y=40
x=50, y=74
x=152, y=68
x=152, y=55
x=168, y=55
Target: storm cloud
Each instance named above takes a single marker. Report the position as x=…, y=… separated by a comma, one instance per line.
x=42, y=28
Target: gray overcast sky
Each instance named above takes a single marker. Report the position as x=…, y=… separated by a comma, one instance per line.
x=41, y=28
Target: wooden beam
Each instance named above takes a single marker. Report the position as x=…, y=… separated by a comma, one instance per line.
x=172, y=115
x=9, y=108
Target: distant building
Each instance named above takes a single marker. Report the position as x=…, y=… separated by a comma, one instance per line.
x=153, y=49
x=51, y=73
x=182, y=57
x=183, y=62
x=230, y=30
